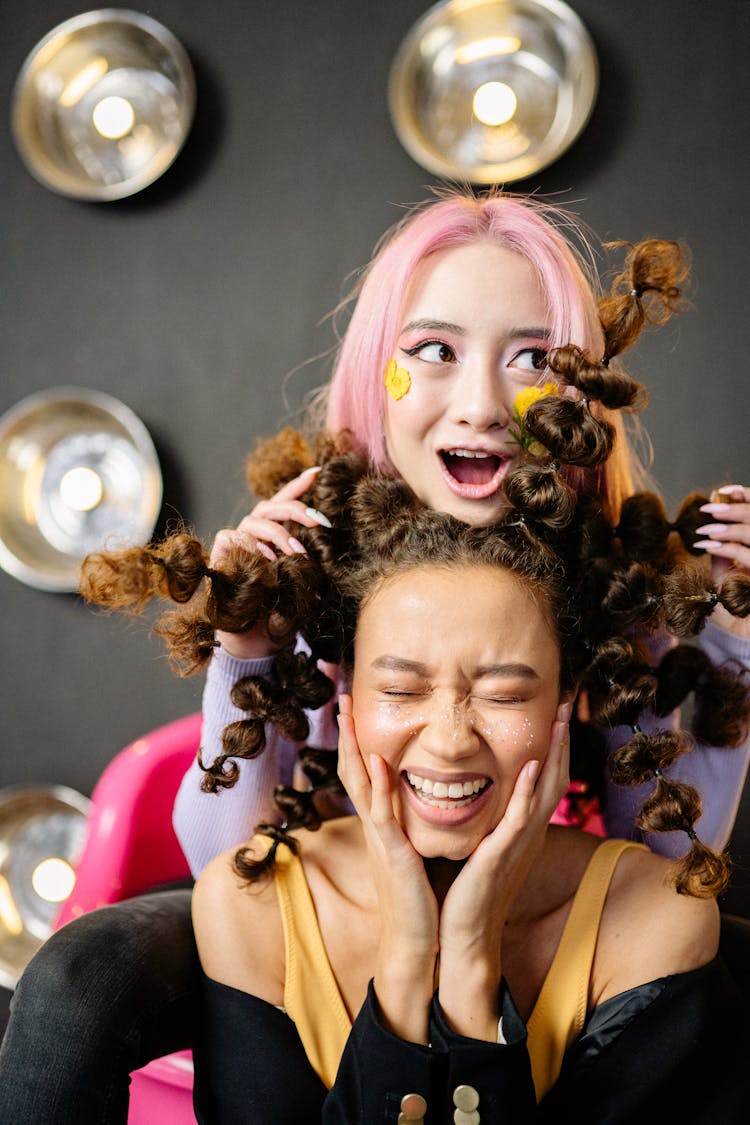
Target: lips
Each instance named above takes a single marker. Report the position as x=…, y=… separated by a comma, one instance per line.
x=473, y=473
x=446, y=802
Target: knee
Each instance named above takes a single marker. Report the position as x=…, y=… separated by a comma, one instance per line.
x=130, y=955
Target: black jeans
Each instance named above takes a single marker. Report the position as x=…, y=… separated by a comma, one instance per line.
x=104, y=995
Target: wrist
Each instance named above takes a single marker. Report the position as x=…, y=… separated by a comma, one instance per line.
x=469, y=997
x=252, y=645
x=404, y=994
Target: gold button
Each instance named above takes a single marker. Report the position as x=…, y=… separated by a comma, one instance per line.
x=465, y=1098
x=413, y=1108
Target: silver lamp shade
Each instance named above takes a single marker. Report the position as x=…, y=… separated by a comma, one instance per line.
x=42, y=832
x=103, y=104
x=492, y=91
x=78, y=472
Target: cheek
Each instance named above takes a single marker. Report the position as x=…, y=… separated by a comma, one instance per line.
x=382, y=728
x=515, y=735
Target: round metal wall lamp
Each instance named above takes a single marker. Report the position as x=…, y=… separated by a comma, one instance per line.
x=42, y=832
x=78, y=473
x=103, y=104
x=492, y=91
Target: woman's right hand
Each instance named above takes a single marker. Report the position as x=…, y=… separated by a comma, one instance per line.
x=407, y=907
x=262, y=531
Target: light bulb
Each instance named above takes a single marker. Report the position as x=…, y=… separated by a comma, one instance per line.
x=81, y=489
x=494, y=103
x=113, y=117
x=53, y=879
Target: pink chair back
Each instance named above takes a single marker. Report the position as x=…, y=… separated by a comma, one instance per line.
x=130, y=848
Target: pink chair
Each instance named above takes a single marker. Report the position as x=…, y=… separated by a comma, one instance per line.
x=130, y=848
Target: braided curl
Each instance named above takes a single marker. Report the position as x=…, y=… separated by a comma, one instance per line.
x=613, y=389
x=647, y=291
x=690, y=598
x=126, y=580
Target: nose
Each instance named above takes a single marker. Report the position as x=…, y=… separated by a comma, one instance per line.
x=482, y=398
x=447, y=732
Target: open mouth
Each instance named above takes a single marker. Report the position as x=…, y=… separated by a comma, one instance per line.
x=445, y=795
x=473, y=473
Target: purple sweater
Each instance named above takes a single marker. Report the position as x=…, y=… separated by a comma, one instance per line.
x=207, y=824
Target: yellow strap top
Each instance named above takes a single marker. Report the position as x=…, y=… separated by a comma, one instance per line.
x=312, y=998
x=560, y=1009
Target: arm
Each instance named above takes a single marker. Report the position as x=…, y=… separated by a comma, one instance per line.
x=659, y=1052
x=204, y=827
x=209, y=823
x=716, y=772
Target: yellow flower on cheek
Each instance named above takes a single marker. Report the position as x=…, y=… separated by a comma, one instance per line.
x=397, y=380
x=521, y=403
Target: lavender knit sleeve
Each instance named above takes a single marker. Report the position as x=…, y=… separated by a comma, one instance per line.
x=209, y=823
x=717, y=773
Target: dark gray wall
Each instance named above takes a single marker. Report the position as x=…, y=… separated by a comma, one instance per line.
x=194, y=300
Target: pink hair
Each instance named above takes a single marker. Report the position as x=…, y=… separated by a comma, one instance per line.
x=354, y=399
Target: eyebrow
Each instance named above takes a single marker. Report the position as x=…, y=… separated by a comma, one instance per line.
x=401, y=664
x=425, y=324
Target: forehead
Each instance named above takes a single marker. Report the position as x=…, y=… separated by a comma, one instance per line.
x=467, y=616
x=478, y=277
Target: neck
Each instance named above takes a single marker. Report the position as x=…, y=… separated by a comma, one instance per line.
x=441, y=873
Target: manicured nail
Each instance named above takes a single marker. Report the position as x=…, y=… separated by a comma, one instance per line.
x=709, y=527
x=566, y=710
x=319, y=518
x=708, y=544
x=266, y=551
x=730, y=488
x=296, y=546
x=716, y=509
x=312, y=469
x=532, y=769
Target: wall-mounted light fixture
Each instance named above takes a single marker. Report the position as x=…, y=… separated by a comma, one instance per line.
x=492, y=91
x=78, y=472
x=42, y=833
x=103, y=104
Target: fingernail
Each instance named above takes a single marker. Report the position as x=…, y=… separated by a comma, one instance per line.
x=708, y=544
x=532, y=769
x=296, y=546
x=266, y=551
x=314, y=514
x=716, y=509
x=312, y=469
x=709, y=527
x=730, y=488
x=566, y=710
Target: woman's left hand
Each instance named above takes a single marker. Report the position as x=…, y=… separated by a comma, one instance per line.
x=476, y=907
x=728, y=543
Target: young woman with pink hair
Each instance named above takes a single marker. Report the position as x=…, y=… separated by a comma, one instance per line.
x=469, y=307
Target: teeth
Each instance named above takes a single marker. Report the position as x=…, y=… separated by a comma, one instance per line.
x=469, y=453
x=442, y=792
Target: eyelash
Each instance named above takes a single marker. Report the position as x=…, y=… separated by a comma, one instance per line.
x=541, y=353
x=430, y=344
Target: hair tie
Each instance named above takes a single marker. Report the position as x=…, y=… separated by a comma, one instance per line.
x=691, y=833
x=713, y=598
x=657, y=772
x=637, y=293
x=636, y=729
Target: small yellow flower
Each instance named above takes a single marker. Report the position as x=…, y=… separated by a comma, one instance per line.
x=521, y=403
x=397, y=380
x=524, y=398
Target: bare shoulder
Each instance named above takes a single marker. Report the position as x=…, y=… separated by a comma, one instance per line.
x=238, y=930
x=648, y=930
